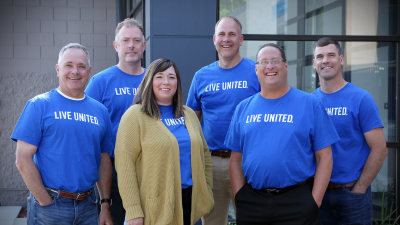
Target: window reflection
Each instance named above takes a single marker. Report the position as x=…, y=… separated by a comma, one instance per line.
x=369, y=65
x=313, y=17
x=385, y=181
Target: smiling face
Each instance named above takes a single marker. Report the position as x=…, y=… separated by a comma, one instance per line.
x=130, y=45
x=164, y=86
x=327, y=62
x=271, y=77
x=227, y=39
x=73, y=71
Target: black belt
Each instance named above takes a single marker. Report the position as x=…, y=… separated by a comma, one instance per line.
x=279, y=191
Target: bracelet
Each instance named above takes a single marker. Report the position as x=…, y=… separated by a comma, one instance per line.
x=106, y=200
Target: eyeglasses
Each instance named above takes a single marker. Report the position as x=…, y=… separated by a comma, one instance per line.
x=274, y=62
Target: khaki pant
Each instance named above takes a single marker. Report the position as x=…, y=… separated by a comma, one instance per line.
x=223, y=193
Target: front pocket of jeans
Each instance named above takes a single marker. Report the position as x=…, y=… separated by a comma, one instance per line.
x=355, y=194
x=93, y=197
x=43, y=206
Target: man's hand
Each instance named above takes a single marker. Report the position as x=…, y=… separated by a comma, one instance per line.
x=46, y=200
x=105, y=215
x=323, y=172
x=236, y=172
x=30, y=173
x=136, y=221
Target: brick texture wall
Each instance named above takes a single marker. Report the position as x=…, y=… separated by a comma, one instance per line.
x=32, y=32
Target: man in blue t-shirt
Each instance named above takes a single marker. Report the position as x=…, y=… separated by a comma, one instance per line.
x=361, y=151
x=215, y=92
x=115, y=88
x=281, y=156
x=63, y=142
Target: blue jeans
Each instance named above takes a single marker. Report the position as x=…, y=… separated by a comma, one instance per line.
x=63, y=211
x=340, y=206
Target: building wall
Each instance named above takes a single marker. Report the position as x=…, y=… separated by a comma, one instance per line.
x=32, y=32
x=183, y=33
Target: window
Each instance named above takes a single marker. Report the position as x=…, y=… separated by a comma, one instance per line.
x=369, y=37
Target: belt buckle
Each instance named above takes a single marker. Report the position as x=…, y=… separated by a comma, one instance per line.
x=223, y=151
x=77, y=198
x=52, y=190
x=273, y=191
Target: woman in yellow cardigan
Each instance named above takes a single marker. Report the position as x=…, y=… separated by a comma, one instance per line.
x=161, y=157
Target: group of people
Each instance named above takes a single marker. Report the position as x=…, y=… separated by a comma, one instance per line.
x=282, y=156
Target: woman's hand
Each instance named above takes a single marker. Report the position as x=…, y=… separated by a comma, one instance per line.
x=136, y=221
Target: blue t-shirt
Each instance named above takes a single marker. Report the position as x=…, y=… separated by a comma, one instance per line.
x=278, y=137
x=179, y=130
x=217, y=92
x=70, y=136
x=353, y=112
x=114, y=89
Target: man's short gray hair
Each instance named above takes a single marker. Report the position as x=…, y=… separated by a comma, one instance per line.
x=73, y=45
x=128, y=22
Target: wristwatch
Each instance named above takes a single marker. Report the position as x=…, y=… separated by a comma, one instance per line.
x=106, y=200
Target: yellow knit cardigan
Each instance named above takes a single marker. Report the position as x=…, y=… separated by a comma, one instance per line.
x=148, y=168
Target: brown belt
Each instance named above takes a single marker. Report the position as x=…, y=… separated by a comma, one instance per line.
x=76, y=196
x=221, y=153
x=333, y=185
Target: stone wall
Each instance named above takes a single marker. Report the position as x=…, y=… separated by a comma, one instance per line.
x=32, y=32
x=16, y=88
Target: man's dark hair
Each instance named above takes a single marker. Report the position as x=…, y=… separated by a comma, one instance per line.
x=327, y=41
x=275, y=46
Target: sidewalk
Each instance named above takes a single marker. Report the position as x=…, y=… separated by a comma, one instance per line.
x=9, y=214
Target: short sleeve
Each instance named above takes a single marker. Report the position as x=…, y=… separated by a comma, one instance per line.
x=324, y=133
x=369, y=114
x=232, y=139
x=29, y=126
x=94, y=90
x=193, y=100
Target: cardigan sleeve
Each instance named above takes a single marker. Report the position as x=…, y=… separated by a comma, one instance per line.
x=207, y=162
x=127, y=151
